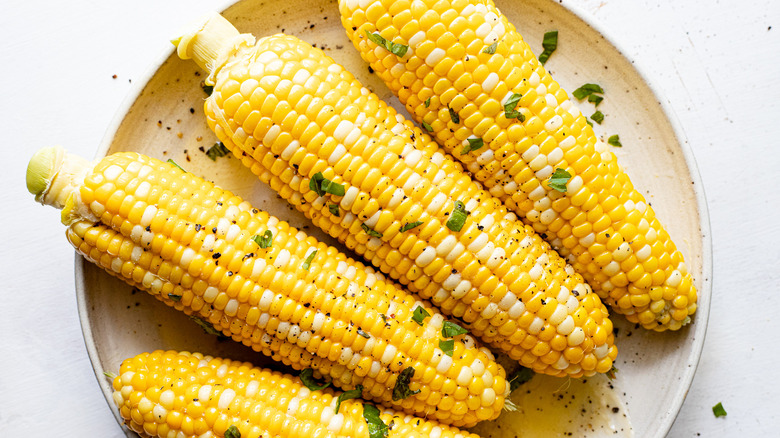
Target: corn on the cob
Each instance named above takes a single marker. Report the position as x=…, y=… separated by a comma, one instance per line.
x=465, y=63
x=171, y=394
x=190, y=244
x=289, y=112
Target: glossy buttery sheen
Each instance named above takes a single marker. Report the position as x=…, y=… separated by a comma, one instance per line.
x=554, y=407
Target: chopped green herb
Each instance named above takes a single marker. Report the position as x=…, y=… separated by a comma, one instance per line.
x=491, y=49
x=447, y=347
x=597, y=117
x=176, y=165
x=218, y=150
x=589, y=122
x=232, y=432
x=396, y=49
x=718, y=410
x=558, y=180
x=410, y=225
x=450, y=330
x=519, y=377
x=454, y=116
x=586, y=90
x=376, y=427
x=369, y=231
x=427, y=102
x=322, y=185
x=334, y=210
x=614, y=140
x=549, y=44
x=174, y=297
x=307, y=378
x=208, y=89
x=363, y=334
x=401, y=389
x=457, y=217
x=206, y=326
x=348, y=395
x=264, y=241
x=611, y=373
x=509, y=107
x=419, y=314
x=427, y=127
x=307, y=263
x=595, y=99
x=474, y=144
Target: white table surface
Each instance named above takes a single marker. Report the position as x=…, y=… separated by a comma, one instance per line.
x=717, y=63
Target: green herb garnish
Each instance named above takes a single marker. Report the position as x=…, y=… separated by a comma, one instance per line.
x=218, y=150
x=376, y=427
x=614, y=140
x=370, y=231
x=491, y=49
x=363, y=334
x=265, y=240
x=586, y=90
x=519, y=377
x=454, y=116
x=457, y=217
x=410, y=225
x=558, y=180
x=718, y=410
x=176, y=165
x=450, y=330
x=509, y=107
x=447, y=347
x=474, y=144
x=348, y=395
x=595, y=99
x=232, y=432
x=110, y=375
x=206, y=326
x=208, y=89
x=307, y=263
x=401, y=389
x=427, y=102
x=334, y=210
x=307, y=378
x=396, y=49
x=597, y=117
x=427, y=127
x=174, y=297
x=611, y=372
x=322, y=185
x=549, y=44
x=419, y=314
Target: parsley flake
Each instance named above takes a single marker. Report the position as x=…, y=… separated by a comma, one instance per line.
x=427, y=102
x=586, y=90
x=454, y=116
x=450, y=330
x=176, y=165
x=174, y=297
x=419, y=314
x=491, y=49
x=218, y=150
x=363, y=334
x=447, y=347
x=264, y=241
x=595, y=99
x=558, y=180
x=718, y=410
x=376, y=427
x=334, y=210
x=614, y=140
x=348, y=395
x=410, y=225
x=549, y=44
x=396, y=49
x=208, y=89
x=457, y=217
x=307, y=378
x=232, y=432
x=401, y=389
x=369, y=231
x=597, y=117
x=322, y=185
x=509, y=107
x=427, y=127
x=474, y=144
x=307, y=263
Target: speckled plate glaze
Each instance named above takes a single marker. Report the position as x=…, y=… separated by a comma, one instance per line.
x=163, y=118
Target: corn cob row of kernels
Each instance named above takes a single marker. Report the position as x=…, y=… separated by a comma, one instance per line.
x=190, y=244
x=169, y=394
x=288, y=112
x=450, y=80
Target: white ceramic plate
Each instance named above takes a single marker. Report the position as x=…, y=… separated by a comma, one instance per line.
x=163, y=118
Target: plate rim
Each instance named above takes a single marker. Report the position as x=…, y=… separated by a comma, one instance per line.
x=704, y=291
